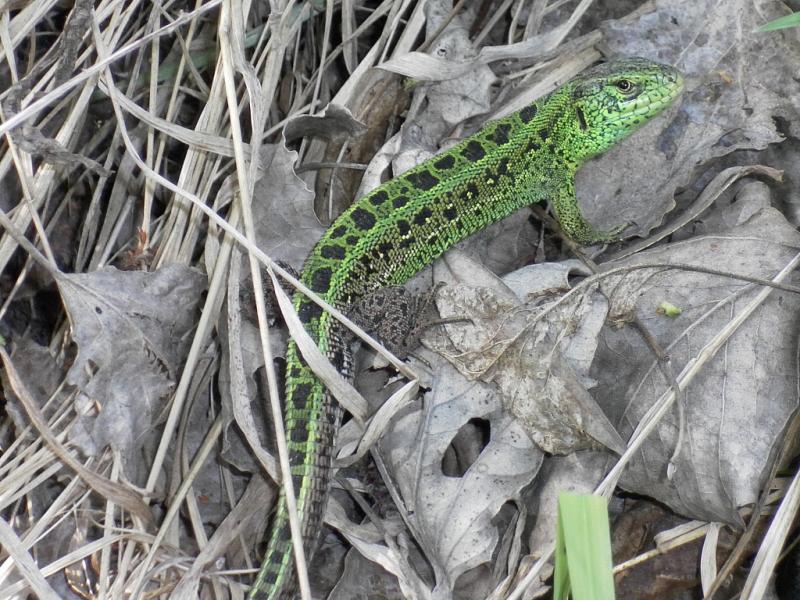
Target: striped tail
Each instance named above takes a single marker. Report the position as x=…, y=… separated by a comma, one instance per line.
x=312, y=418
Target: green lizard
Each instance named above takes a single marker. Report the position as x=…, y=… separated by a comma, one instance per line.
x=403, y=225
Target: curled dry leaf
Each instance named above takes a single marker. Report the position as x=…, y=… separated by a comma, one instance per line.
x=34, y=142
x=522, y=349
x=333, y=123
x=132, y=331
x=241, y=357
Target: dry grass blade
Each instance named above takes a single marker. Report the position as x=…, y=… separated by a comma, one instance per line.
x=342, y=390
x=760, y=576
x=232, y=57
x=118, y=493
x=31, y=110
x=234, y=525
x=25, y=563
x=241, y=412
x=202, y=454
x=73, y=557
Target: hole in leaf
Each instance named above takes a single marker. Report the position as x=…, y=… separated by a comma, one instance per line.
x=466, y=447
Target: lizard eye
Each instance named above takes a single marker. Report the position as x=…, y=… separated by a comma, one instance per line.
x=624, y=85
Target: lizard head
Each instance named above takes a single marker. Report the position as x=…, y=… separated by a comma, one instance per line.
x=614, y=99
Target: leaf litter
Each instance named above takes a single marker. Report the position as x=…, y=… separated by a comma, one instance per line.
x=748, y=388
x=131, y=329
x=542, y=362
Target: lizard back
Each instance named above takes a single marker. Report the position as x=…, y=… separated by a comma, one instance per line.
x=394, y=231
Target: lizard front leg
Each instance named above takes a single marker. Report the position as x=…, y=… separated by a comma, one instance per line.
x=565, y=205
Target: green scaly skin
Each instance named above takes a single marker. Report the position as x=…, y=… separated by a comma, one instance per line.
x=403, y=225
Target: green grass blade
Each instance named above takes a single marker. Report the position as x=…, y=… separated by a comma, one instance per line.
x=792, y=20
x=583, y=549
x=561, y=574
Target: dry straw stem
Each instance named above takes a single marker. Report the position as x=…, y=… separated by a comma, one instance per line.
x=237, y=522
x=231, y=53
x=769, y=552
x=239, y=398
x=332, y=379
x=39, y=183
x=109, y=86
x=203, y=453
x=246, y=179
x=24, y=562
x=19, y=463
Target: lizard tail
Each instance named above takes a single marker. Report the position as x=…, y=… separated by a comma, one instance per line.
x=312, y=418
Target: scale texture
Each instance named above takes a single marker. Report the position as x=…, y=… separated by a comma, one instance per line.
x=403, y=225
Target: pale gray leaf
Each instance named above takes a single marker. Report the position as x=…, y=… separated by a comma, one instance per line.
x=542, y=279
x=578, y=472
x=738, y=407
x=283, y=209
x=522, y=349
x=364, y=578
x=506, y=245
x=132, y=330
x=452, y=515
x=449, y=102
x=453, y=101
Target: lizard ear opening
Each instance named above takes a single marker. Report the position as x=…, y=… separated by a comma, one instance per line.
x=581, y=119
